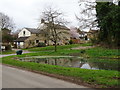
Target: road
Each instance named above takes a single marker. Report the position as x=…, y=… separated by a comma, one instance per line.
x=17, y=78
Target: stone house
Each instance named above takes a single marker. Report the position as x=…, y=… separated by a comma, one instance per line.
x=63, y=37
x=92, y=34
x=78, y=36
x=30, y=37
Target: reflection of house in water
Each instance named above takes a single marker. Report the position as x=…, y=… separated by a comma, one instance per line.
x=68, y=62
x=88, y=66
x=81, y=64
x=58, y=61
x=75, y=62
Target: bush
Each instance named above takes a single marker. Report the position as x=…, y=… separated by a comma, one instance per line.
x=8, y=47
x=82, y=51
x=70, y=42
x=94, y=40
x=41, y=44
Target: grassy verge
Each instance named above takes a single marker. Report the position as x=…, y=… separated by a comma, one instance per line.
x=8, y=52
x=99, y=78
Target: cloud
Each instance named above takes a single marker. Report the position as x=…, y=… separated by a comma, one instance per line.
x=26, y=13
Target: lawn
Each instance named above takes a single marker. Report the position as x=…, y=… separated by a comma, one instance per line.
x=8, y=52
x=48, y=48
x=102, y=52
x=97, y=52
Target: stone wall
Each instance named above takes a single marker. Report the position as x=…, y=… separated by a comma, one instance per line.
x=31, y=41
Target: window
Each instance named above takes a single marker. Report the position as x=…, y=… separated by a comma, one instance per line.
x=37, y=41
x=24, y=33
x=45, y=41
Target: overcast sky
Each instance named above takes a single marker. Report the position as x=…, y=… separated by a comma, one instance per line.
x=26, y=13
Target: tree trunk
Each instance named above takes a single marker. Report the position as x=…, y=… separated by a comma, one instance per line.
x=55, y=47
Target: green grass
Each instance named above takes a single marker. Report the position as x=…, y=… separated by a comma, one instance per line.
x=87, y=44
x=102, y=52
x=101, y=78
x=48, y=48
x=8, y=52
x=66, y=50
x=0, y=60
x=53, y=53
x=96, y=52
x=107, y=64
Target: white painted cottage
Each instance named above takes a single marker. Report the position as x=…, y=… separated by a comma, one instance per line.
x=28, y=37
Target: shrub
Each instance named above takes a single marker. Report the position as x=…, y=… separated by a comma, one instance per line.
x=70, y=42
x=41, y=44
x=8, y=47
x=94, y=40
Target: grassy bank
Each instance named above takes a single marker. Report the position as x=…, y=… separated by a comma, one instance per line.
x=66, y=50
x=102, y=52
x=96, y=78
x=48, y=48
x=8, y=52
x=96, y=52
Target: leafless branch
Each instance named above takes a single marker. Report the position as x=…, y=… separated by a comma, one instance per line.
x=6, y=22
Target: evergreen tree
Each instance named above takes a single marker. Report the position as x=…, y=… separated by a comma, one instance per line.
x=109, y=22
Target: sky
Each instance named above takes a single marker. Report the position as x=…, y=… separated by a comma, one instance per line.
x=26, y=13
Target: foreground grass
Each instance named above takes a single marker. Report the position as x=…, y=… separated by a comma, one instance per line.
x=8, y=52
x=99, y=78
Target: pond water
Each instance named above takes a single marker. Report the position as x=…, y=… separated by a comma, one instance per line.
x=78, y=62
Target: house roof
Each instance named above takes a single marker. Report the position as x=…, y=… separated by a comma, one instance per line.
x=80, y=32
x=93, y=31
x=33, y=30
x=62, y=27
x=21, y=39
x=57, y=26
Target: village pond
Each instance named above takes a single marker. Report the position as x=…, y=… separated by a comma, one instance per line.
x=77, y=62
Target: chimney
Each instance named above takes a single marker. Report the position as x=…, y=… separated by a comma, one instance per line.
x=42, y=21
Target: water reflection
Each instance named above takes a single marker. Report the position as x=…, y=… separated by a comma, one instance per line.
x=77, y=62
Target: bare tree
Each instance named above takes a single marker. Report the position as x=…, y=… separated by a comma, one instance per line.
x=6, y=22
x=87, y=17
x=53, y=19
